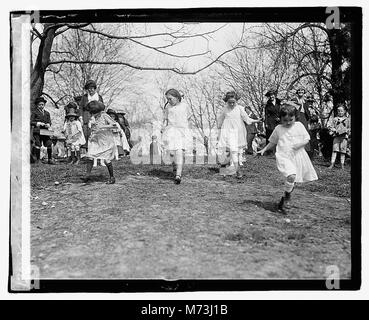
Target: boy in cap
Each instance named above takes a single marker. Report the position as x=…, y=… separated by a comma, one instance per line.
x=40, y=119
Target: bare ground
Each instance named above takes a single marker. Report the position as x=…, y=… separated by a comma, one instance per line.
x=144, y=226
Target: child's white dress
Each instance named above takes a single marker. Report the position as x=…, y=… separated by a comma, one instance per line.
x=74, y=133
x=233, y=134
x=120, y=137
x=101, y=144
x=289, y=161
x=177, y=135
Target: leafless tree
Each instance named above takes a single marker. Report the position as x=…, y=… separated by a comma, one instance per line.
x=47, y=58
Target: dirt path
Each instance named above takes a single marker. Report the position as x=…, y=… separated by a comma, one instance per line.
x=147, y=227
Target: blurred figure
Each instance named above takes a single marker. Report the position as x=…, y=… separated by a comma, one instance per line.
x=271, y=112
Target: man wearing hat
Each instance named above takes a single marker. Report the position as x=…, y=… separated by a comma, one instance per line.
x=271, y=113
x=91, y=95
x=40, y=119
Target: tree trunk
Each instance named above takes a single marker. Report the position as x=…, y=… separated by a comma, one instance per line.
x=337, y=77
x=42, y=61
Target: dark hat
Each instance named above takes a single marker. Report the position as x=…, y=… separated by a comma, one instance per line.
x=111, y=111
x=95, y=107
x=71, y=114
x=121, y=112
x=90, y=83
x=231, y=94
x=270, y=92
x=40, y=99
x=71, y=105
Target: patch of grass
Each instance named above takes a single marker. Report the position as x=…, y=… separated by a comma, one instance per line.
x=260, y=170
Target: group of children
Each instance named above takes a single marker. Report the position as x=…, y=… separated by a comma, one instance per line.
x=289, y=138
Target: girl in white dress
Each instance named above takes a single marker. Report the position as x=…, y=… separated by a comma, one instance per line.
x=75, y=137
x=101, y=143
x=232, y=135
x=176, y=133
x=119, y=135
x=293, y=162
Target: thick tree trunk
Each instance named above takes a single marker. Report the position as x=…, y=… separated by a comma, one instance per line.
x=337, y=77
x=42, y=61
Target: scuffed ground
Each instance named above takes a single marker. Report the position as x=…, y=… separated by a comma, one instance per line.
x=144, y=226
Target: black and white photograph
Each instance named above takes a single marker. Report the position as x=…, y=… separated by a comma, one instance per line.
x=186, y=149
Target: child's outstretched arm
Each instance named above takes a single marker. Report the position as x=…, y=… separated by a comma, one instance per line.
x=269, y=146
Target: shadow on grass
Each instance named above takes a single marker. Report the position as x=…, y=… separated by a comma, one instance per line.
x=266, y=205
x=161, y=174
x=94, y=179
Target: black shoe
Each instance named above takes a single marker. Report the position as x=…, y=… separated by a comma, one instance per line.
x=86, y=178
x=281, y=206
x=177, y=180
x=111, y=180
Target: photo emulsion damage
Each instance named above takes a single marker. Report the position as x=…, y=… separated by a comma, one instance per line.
x=186, y=149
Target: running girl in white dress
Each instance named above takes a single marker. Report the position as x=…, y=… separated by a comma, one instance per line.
x=101, y=143
x=176, y=134
x=292, y=160
x=232, y=134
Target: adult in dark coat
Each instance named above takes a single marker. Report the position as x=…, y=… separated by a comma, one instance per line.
x=271, y=113
x=303, y=111
x=91, y=95
x=40, y=119
x=303, y=107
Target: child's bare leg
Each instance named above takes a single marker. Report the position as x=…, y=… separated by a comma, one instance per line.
x=289, y=185
x=173, y=162
x=333, y=159
x=235, y=160
x=343, y=156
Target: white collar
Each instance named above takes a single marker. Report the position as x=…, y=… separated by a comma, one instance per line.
x=95, y=97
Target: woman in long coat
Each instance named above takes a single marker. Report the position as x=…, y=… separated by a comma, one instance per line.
x=91, y=95
x=271, y=113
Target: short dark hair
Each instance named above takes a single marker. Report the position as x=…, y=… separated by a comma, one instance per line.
x=90, y=83
x=288, y=109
